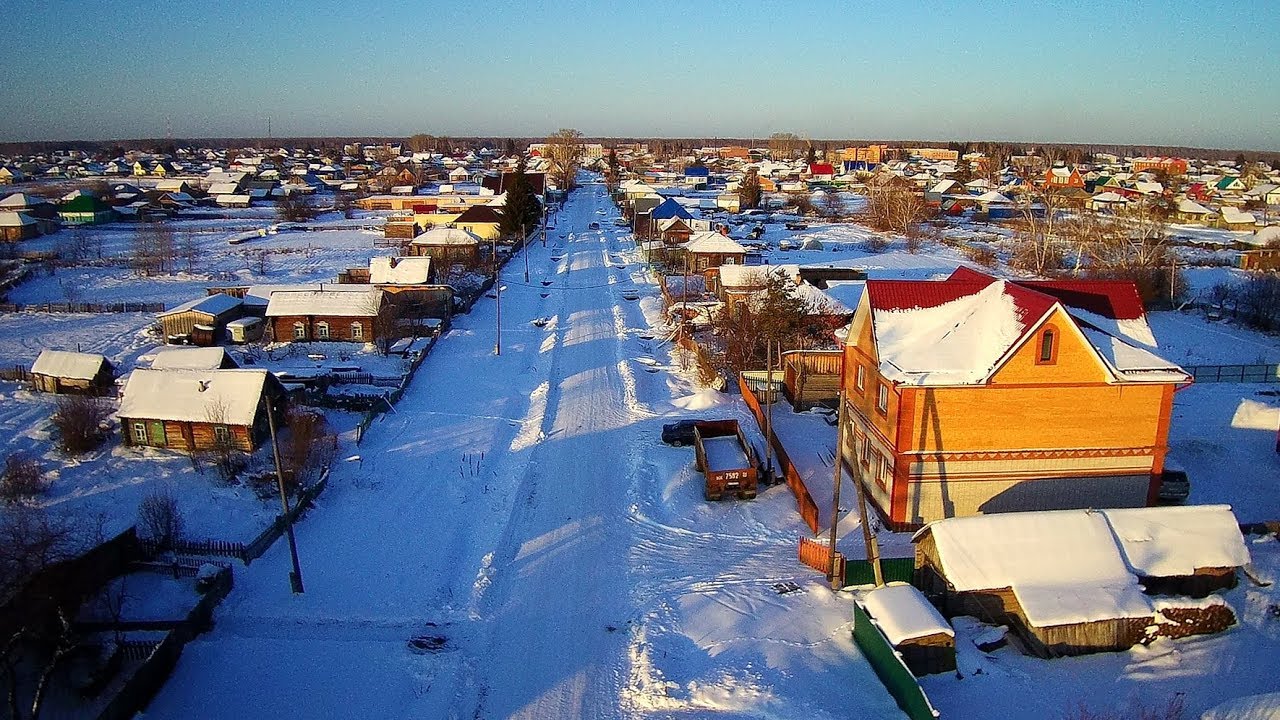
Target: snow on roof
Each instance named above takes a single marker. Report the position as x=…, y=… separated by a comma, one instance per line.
x=734, y=277
x=15, y=219
x=215, y=304
x=903, y=613
x=229, y=397
x=224, y=188
x=846, y=292
x=1192, y=207
x=1110, y=196
x=341, y=303
x=67, y=364
x=1235, y=215
x=447, y=236
x=399, y=270
x=957, y=341
x=1175, y=541
x=1063, y=566
x=189, y=358
x=991, y=196
x=18, y=201
x=1131, y=362
x=710, y=241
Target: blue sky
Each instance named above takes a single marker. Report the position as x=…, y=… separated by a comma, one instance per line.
x=1173, y=72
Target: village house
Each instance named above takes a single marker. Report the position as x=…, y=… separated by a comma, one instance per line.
x=447, y=246
x=483, y=221
x=62, y=371
x=1063, y=178
x=195, y=410
x=977, y=395
x=17, y=226
x=193, y=358
x=711, y=249
x=326, y=315
x=199, y=320
x=1070, y=582
x=85, y=209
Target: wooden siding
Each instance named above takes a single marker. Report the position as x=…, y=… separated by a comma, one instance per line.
x=187, y=436
x=339, y=328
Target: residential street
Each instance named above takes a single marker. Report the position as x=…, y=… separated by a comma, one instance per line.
x=519, y=507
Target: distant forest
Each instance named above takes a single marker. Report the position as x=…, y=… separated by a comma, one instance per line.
x=658, y=145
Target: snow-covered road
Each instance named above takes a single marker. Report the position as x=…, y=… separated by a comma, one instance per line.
x=520, y=507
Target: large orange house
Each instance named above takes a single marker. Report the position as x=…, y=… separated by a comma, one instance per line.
x=976, y=395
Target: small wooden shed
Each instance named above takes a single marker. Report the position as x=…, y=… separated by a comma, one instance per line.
x=1070, y=582
x=915, y=629
x=211, y=311
x=62, y=371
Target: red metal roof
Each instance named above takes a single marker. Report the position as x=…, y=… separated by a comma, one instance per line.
x=1115, y=299
x=821, y=169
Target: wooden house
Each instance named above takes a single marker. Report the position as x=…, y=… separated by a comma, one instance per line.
x=326, y=315
x=62, y=371
x=914, y=628
x=1267, y=259
x=447, y=246
x=483, y=221
x=1063, y=178
x=1190, y=211
x=194, y=410
x=1070, y=582
x=210, y=314
x=977, y=395
x=17, y=226
x=710, y=249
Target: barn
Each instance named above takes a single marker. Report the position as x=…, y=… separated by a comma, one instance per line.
x=194, y=410
x=193, y=358
x=211, y=312
x=1070, y=582
x=62, y=371
x=915, y=629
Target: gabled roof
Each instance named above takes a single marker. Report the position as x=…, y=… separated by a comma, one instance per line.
x=821, y=169
x=10, y=218
x=215, y=305
x=479, y=214
x=670, y=208
x=446, y=236
x=67, y=364
x=710, y=241
x=227, y=397
x=341, y=303
x=191, y=358
x=399, y=270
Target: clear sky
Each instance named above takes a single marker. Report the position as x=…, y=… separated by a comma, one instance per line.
x=1175, y=72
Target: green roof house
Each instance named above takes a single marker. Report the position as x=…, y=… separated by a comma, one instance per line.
x=85, y=210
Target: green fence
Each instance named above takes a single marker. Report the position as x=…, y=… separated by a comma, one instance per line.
x=893, y=674
x=859, y=572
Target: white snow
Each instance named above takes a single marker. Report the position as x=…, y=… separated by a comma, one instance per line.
x=724, y=453
x=1133, y=363
x=230, y=397
x=214, y=304
x=188, y=358
x=65, y=364
x=903, y=613
x=399, y=270
x=1174, y=541
x=959, y=342
x=1253, y=707
x=341, y=303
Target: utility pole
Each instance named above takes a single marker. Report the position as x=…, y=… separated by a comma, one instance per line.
x=295, y=577
x=497, y=294
x=868, y=537
x=524, y=249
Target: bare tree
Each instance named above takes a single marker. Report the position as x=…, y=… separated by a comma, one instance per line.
x=296, y=207
x=1038, y=247
x=784, y=145
x=160, y=518
x=565, y=151
x=223, y=452
x=894, y=207
x=22, y=479
x=189, y=251
x=307, y=446
x=79, y=420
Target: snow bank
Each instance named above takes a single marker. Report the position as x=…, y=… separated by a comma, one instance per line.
x=704, y=399
x=1253, y=707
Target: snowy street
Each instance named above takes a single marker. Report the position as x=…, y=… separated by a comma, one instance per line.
x=521, y=508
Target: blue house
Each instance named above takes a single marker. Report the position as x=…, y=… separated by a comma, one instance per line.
x=696, y=176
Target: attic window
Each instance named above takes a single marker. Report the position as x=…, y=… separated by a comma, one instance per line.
x=1048, y=347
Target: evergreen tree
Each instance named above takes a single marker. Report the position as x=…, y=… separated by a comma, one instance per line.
x=749, y=191
x=522, y=210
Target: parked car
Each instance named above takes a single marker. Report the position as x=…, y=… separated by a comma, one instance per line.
x=679, y=433
x=621, y=222
x=594, y=226
x=1174, y=487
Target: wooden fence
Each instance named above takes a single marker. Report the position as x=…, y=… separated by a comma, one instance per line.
x=811, y=376
x=122, y=307
x=1234, y=373
x=16, y=374
x=816, y=555
x=807, y=508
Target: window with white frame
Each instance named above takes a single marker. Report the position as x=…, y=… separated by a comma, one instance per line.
x=860, y=377
x=357, y=331
x=322, y=330
x=299, y=331
x=222, y=434
x=140, y=432
x=882, y=398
